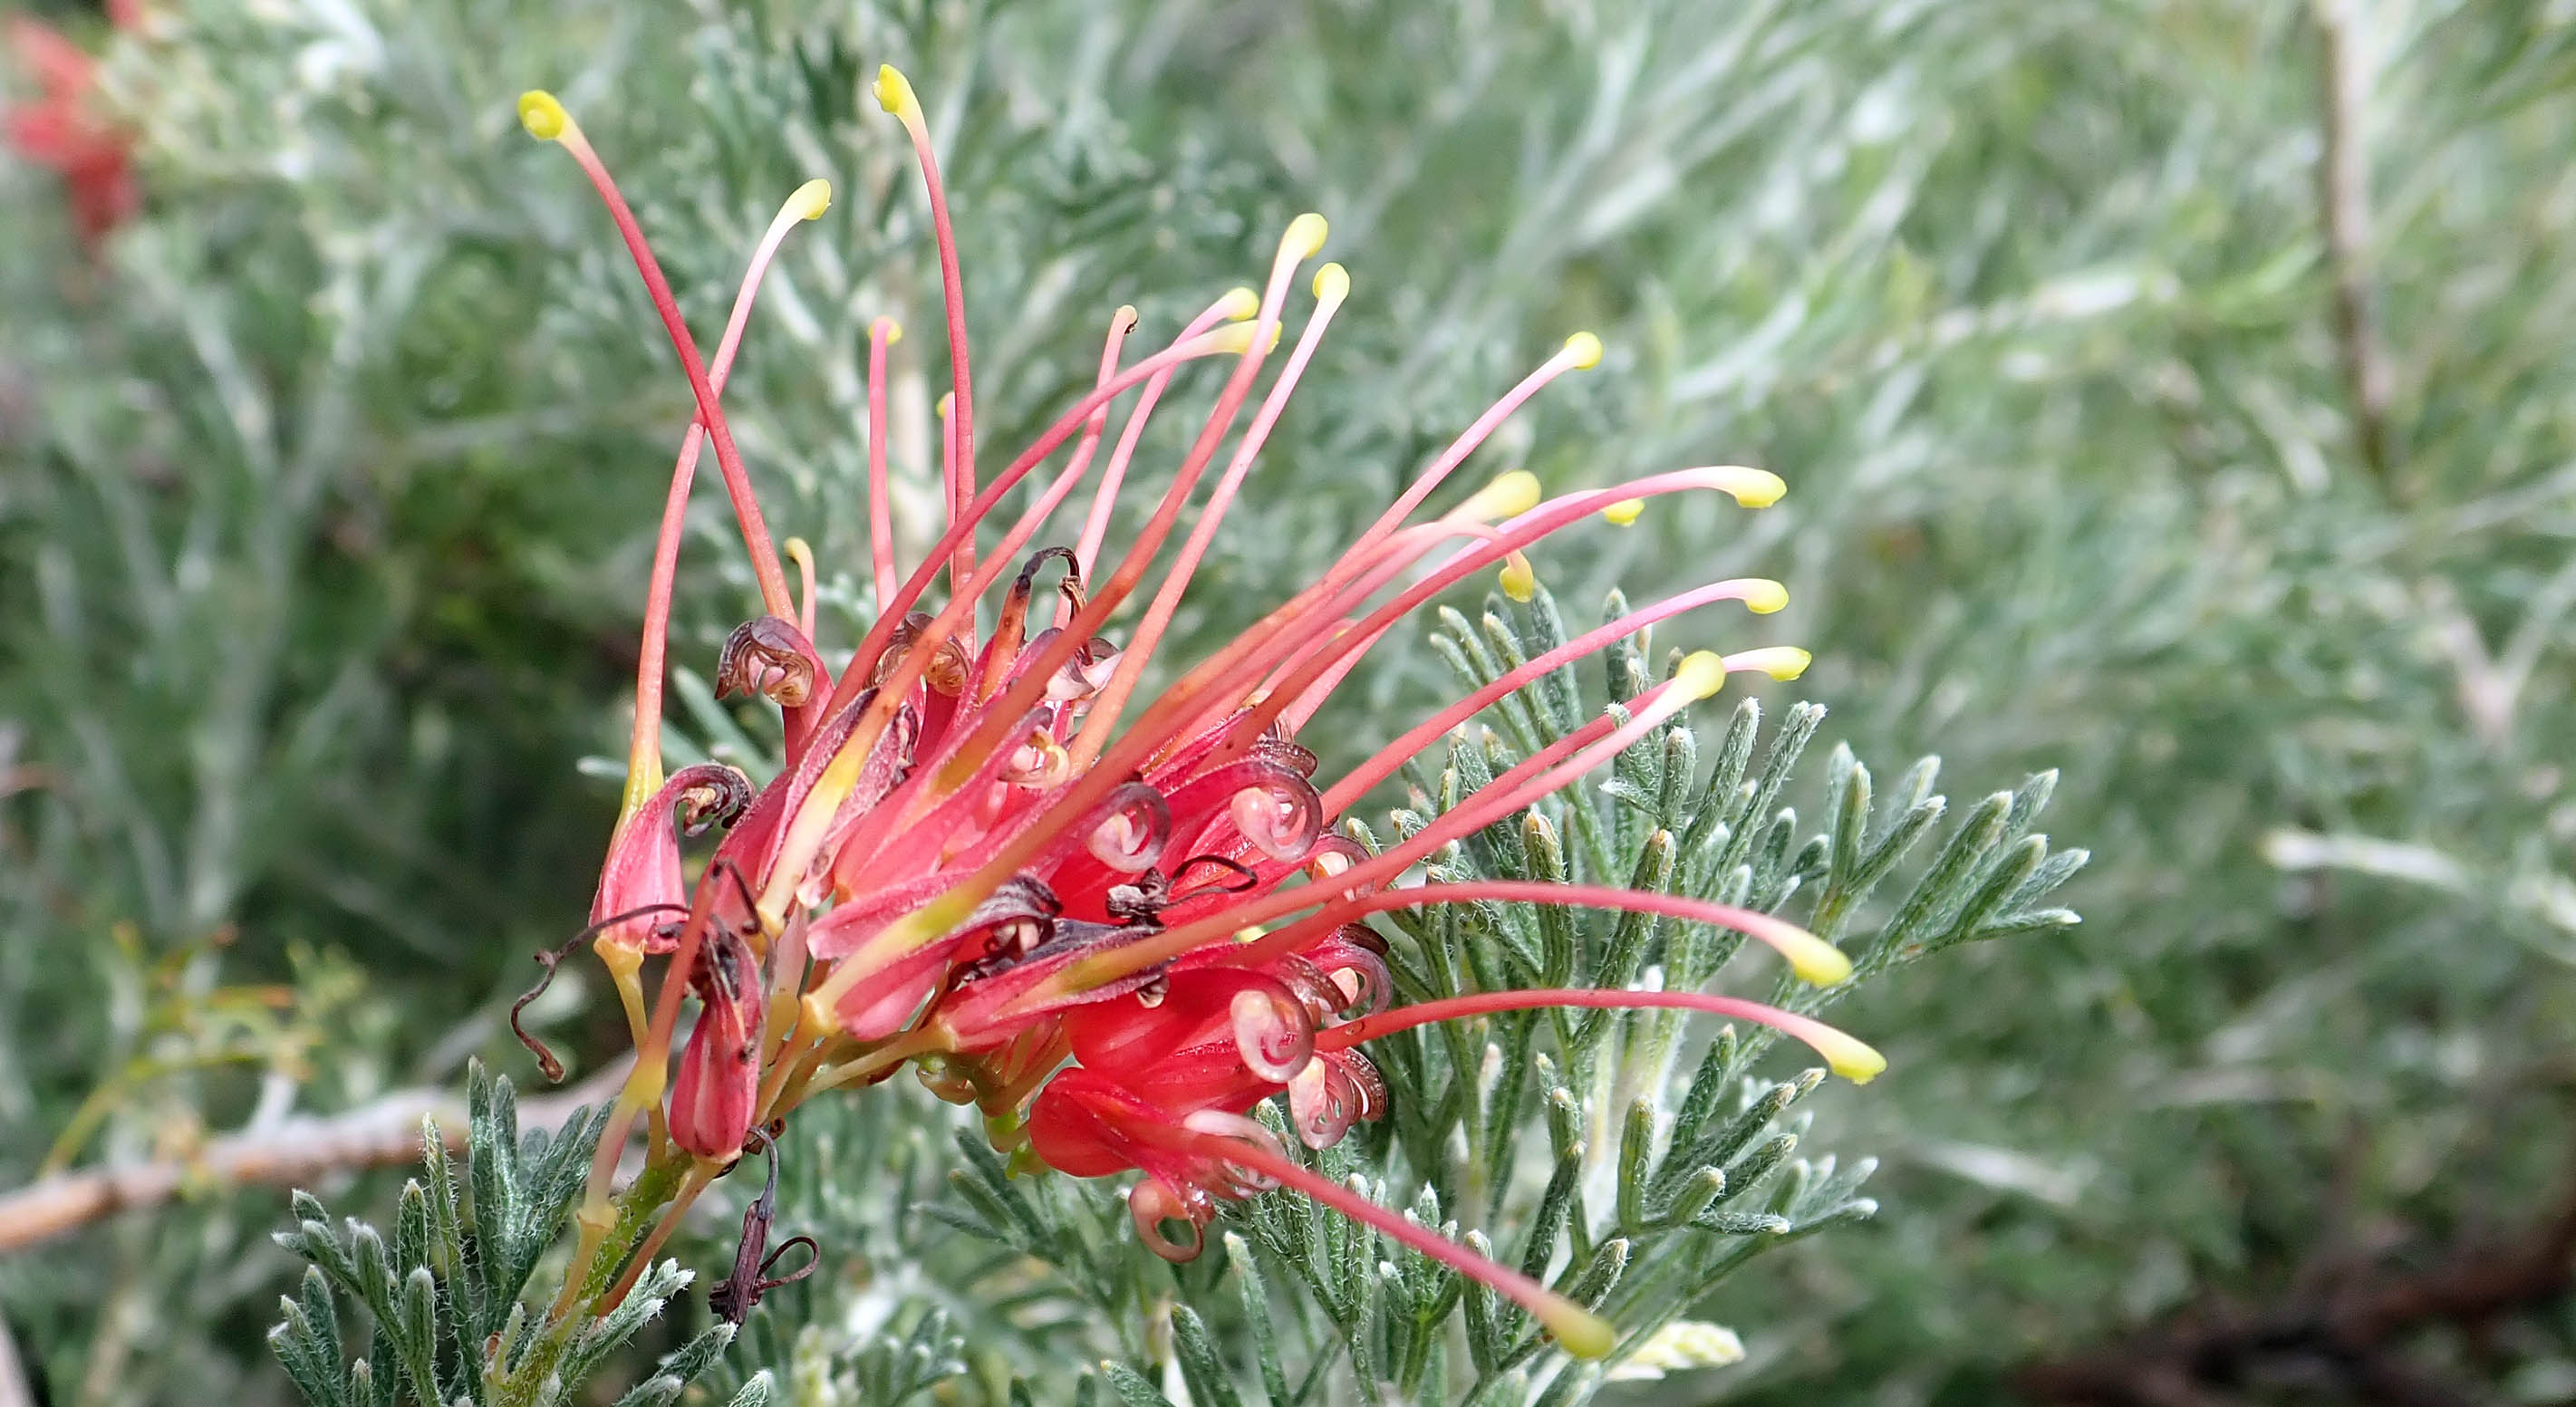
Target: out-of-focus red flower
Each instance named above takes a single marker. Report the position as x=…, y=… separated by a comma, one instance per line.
x=61, y=128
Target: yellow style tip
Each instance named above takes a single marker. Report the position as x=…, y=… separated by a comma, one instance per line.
x=1623, y=512
x=1579, y=1331
x=1762, y=596
x=1753, y=488
x=1582, y=351
x=1238, y=304
x=893, y=329
x=1815, y=961
x=1332, y=284
x=1852, y=1058
x=1782, y=662
x=1700, y=675
x=542, y=115
x=946, y=403
x=811, y=199
x=895, y=95
x=1237, y=339
x=1305, y=236
x=1510, y=495
x=1519, y=579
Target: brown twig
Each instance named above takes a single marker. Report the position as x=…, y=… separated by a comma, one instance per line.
x=2343, y=181
x=2350, y=1333
x=383, y=1133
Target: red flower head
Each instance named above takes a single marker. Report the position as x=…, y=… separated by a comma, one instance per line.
x=1115, y=918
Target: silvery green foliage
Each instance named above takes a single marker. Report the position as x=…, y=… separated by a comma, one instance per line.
x=2024, y=298
x=445, y=1302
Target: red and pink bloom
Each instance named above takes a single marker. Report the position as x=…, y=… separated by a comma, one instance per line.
x=1101, y=896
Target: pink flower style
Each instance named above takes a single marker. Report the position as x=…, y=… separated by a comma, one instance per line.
x=1112, y=918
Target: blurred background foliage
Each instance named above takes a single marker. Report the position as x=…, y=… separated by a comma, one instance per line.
x=2124, y=436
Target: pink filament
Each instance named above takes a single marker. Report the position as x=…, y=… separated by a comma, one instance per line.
x=1121, y=323
x=1543, y=1304
x=880, y=507
x=952, y=292
x=645, y=749
x=1463, y=446
x=1158, y=615
x=1394, y=755
x=1404, y=1018
x=1095, y=527
x=1776, y=933
x=755, y=531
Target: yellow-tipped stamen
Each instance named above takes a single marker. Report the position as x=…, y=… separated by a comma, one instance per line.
x=1751, y=488
x=895, y=95
x=811, y=199
x=1508, y=496
x=1519, y=580
x=1782, y=662
x=894, y=330
x=1237, y=339
x=543, y=116
x=1814, y=960
x=1762, y=596
x=1623, y=512
x=1579, y=1331
x=1305, y=235
x=1332, y=284
x=1238, y=304
x=1701, y=674
x=1582, y=351
x=1852, y=1058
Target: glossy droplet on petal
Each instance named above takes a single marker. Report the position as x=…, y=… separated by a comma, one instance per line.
x=1332, y=1093
x=1038, y=761
x=1318, y=994
x=1154, y=1204
x=1272, y=1031
x=1131, y=837
x=1363, y=980
x=1334, y=854
x=1233, y=1179
x=1280, y=815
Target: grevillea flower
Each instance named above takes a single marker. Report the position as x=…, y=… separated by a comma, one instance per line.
x=1099, y=895
x=63, y=129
